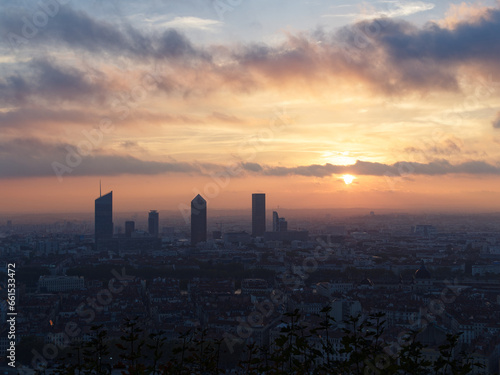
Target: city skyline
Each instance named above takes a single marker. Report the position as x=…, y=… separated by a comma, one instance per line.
x=376, y=104
x=250, y=186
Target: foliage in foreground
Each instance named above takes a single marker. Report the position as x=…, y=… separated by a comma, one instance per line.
x=299, y=349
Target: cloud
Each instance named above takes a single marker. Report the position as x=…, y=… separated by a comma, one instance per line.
x=496, y=121
x=448, y=146
x=389, y=56
x=463, y=12
x=226, y=118
x=252, y=167
x=385, y=56
x=41, y=79
x=76, y=29
x=32, y=117
x=399, y=169
x=31, y=157
x=390, y=9
x=192, y=23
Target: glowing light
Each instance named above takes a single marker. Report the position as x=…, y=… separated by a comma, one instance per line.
x=348, y=179
x=339, y=158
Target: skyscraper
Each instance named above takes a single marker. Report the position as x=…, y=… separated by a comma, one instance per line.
x=153, y=223
x=276, y=222
x=258, y=214
x=129, y=228
x=198, y=220
x=279, y=223
x=104, y=217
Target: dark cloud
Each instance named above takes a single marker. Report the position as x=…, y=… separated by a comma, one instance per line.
x=252, y=167
x=173, y=44
x=75, y=29
x=476, y=41
x=399, y=169
x=129, y=144
x=391, y=56
x=449, y=146
x=26, y=117
x=42, y=79
x=29, y=157
x=386, y=55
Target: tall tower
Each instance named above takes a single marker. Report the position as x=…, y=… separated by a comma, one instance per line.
x=198, y=220
x=276, y=222
x=104, y=217
x=279, y=223
x=129, y=228
x=153, y=223
x=258, y=214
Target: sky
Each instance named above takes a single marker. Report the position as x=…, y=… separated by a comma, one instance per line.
x=319, y=104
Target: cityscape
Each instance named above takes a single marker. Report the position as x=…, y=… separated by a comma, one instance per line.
x=436, y=275
x=236, y=187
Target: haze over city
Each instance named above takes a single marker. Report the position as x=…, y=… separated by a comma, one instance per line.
x=374, y=104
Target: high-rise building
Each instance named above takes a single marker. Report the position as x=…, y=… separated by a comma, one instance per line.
x=104, y=217
x=283, y=225
x=258, y=214
x=279, y=223
x=198, y=220
x=153, y=223
x=129, y=228
x=276, y=222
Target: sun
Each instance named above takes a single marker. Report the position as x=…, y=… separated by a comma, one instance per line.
x=348, y=179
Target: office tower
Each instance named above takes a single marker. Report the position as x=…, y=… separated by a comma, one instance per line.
x=198, y=220
x=279, y=223
x=129, y=228
x=283, y=225
x=153, y=223
x=276, y=222
x=104, y=217
x=258, y=214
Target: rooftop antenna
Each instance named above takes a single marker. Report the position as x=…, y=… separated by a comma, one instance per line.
x=100, y=194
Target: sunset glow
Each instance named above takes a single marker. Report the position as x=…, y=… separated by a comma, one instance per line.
x=162, y=101
x=348, y=179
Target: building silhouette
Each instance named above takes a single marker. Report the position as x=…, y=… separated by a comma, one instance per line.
x=153, y=223
x=279, y=223
x=198, y=220
x=258, y=214
x=104, y=217
x=129, y=228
